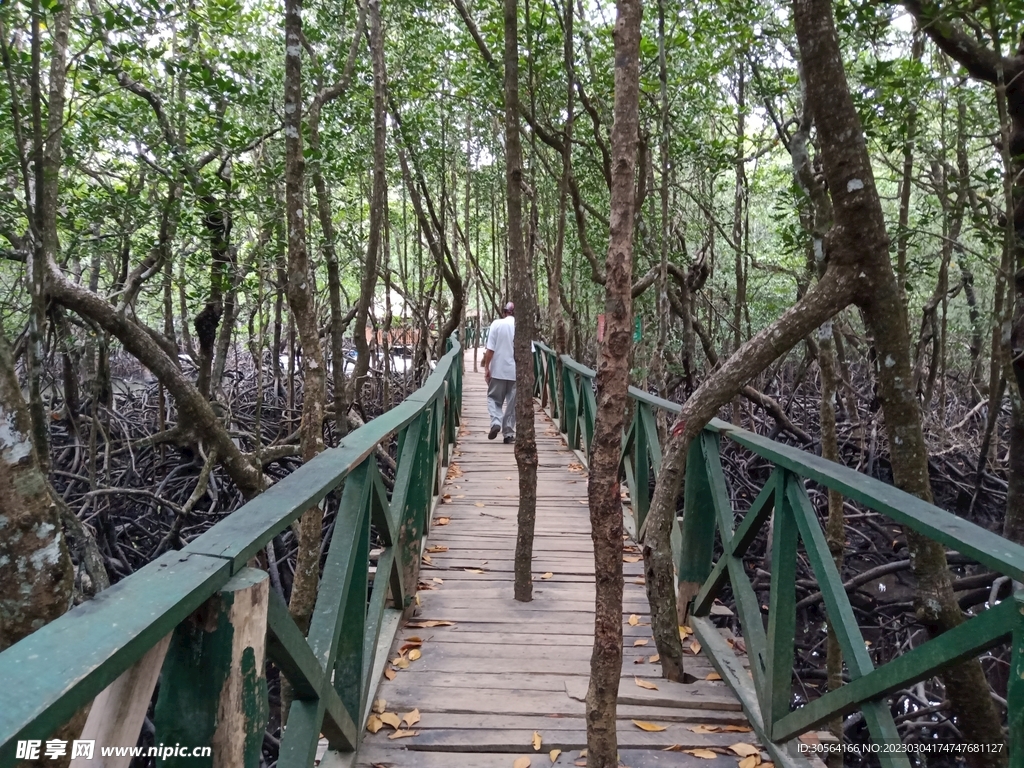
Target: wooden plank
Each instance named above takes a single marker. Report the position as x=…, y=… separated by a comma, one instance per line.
x=398, y=758
x=688, y=696
x=117, y=714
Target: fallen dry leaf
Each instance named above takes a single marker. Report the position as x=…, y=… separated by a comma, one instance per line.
x=744, y=750
x=414, y=654
x=461, y=496
x=634, y=620
x=380, y=706
x=427, y=560
x=737, y=728
x=521, y=762
x=446, y=499
x=641, y=641
x=442, y=520
x=673, y=748
x=437, y=548
x=554, y=753
x=392, y=719
x=703, y=728
x=411, y=718
x=403, y=663
x=639, y=659
x=655, y=658
x=630, y=559
x=479, y=504
x=695, y=647
x=547, y=575
x=684, y=631
x=644, y=726
x=437, y=580
x=400, y=734
x=536, y=741
x=473, y=570
x=639, y=581
x=645, y=684
x=390, y=674
x=750, y=762
x=374, y=724
x=430, y=624
x=713, y=676
x=707, y=754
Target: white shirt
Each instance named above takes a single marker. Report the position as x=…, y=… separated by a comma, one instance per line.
x=499, y=341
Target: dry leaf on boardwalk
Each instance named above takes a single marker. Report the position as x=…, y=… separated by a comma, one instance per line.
x=390, y=674
x=437, y=548
x=479, y=504
x=437, y=580
x=645, y=684
x=408, y=645
x=707, y=754
x=392, y=719
x=521, y=762
x=536, y=741
x=374, y=724
x=750, y=762
x=414, y=654
x=713, y=676
x=446, y=499
x=639, y=659
x=411, y=718
x=554, y=753
x=655, y=658
x=402, y=663
x=429, y=624
x=427, y=560
x=703, y=728
x=630, y=559
x=744, y=750
x=634, y=620
x=547, y=575
x=641, y=641
x=380, y=706
x=684, y=632
x=737, y=728
x=694, y=647
x=403, y=734
x=442, y=520
x=652, y=727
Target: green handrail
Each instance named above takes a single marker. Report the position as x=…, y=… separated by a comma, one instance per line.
x=707, y=509
x=48, y=676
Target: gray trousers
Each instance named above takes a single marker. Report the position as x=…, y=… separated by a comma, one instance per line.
x=501, y=393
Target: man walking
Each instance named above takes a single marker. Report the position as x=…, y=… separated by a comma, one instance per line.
x=500, y=375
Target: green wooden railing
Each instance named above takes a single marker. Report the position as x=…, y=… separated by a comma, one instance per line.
x=47, y=677
x=766, y=693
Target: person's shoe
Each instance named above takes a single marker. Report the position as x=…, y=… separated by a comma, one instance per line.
x=509, y=439
x=494, y=432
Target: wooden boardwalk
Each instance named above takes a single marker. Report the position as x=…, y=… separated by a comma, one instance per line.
x=487, y=675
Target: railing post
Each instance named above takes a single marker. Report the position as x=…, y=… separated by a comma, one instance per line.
x=782, y=608
x=213, y=690
x=641, y=467
x=1015, y=688
x=698, y=527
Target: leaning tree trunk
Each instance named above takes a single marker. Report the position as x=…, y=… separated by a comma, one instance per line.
x=300, y=300
x=860, y=234
x=612, y=400
x=524, y=297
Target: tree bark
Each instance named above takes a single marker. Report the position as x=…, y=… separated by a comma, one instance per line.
x=301, y=292
x=524, y=296
x=603, y=490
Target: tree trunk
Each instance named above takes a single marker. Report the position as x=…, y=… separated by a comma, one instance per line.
x=612, y=399
x=378, y=200
x=300, y=300
x=523, y=294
